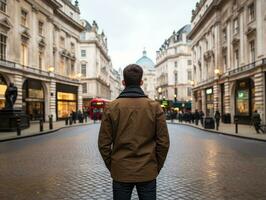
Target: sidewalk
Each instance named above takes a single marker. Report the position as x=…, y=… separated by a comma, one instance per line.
x=244, y=131
x=34, y=130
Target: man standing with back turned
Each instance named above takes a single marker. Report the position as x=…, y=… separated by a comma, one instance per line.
x=133, y=139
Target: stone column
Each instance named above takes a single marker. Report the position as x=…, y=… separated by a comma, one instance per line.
x=52, y=100
x=259, y=96
x=194, y=102
x=18, y=81
x=227, y=97
x=80, y=101
x=203, y=98
x=216, y=96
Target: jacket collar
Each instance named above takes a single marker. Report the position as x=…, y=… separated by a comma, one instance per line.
x=132, y=92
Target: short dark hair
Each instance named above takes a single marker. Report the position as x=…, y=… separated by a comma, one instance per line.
x=132, y=75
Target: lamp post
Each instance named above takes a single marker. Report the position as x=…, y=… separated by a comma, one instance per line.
x=217, y=72
x=160, y=92
x=51, y=69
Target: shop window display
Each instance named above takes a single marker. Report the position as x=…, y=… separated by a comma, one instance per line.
x=209, y=102
x=66, y=104
x=33, y=99
x=245, y=100
x=3, y=87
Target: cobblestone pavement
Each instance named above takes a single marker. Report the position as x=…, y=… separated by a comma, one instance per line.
x=67, y=165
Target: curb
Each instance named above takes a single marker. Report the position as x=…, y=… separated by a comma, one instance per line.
x=221, y=133
x=42, y=133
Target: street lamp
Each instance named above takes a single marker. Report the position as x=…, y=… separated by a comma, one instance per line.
x=78, y=75
x=160, y=92
x=217, y=72
x=51, y=69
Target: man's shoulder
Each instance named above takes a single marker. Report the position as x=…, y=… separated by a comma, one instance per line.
x=120, y=101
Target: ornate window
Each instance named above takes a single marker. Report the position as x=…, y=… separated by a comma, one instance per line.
x=40, y=27
x=3, y=5
x=225, y=35
x=24, y=18
x=236, y=58
x=251, y=12
x=84, y=88
x=189, y=75
x=236, y=26
x=252, y=51
x=24, y=54
x=189, y=92
x=2, y=47
x=41, y=59
x=84, y=70
x=62, y=42
x=72, y=47
x=83, y=53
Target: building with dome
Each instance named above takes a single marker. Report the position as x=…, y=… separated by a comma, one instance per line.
x=148, y=75
x=174, y=68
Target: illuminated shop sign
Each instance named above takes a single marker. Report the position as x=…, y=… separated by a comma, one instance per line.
x=209, y=91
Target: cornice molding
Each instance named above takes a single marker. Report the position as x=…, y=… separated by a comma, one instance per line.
x=171, y=57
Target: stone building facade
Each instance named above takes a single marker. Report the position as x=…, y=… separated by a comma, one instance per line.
x=229, y=51
x=39, y=46
x=115, y=83
x=148, y=75
x=174, y=67
x=95, y=63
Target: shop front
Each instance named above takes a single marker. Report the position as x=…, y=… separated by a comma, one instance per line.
x=33, y=99
x=209, y=102
x=66, y=100
x=3, y=87
x=244, y=100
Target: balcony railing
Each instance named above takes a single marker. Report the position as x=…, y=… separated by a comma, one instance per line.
x=65, y=78
x=7, y=63
x=208, y=80
x=36, y=71
x=242, y=69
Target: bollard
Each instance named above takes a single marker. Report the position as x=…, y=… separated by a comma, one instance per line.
x=18, y=122
x=66, y=121
x=236, y=125
x=50, y=122
x=41, y=125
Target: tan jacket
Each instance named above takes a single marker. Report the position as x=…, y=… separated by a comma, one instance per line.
x=133, y=139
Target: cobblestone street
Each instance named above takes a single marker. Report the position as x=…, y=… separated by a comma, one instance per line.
x=67, y=165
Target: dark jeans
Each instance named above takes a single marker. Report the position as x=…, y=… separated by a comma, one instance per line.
x=123, y=191
x=258, y=128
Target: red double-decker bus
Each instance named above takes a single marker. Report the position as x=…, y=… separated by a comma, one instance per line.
x=96, y=108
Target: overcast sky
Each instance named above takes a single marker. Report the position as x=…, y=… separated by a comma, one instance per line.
x=131, y=25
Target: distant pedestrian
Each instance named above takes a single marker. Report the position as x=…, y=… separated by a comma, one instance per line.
x=133, y=139
x=197, y=117
x=173, y=115
x=74, y=116
x=256, y=120
x=201, y=113
x=95, y=115
x=217, y=117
